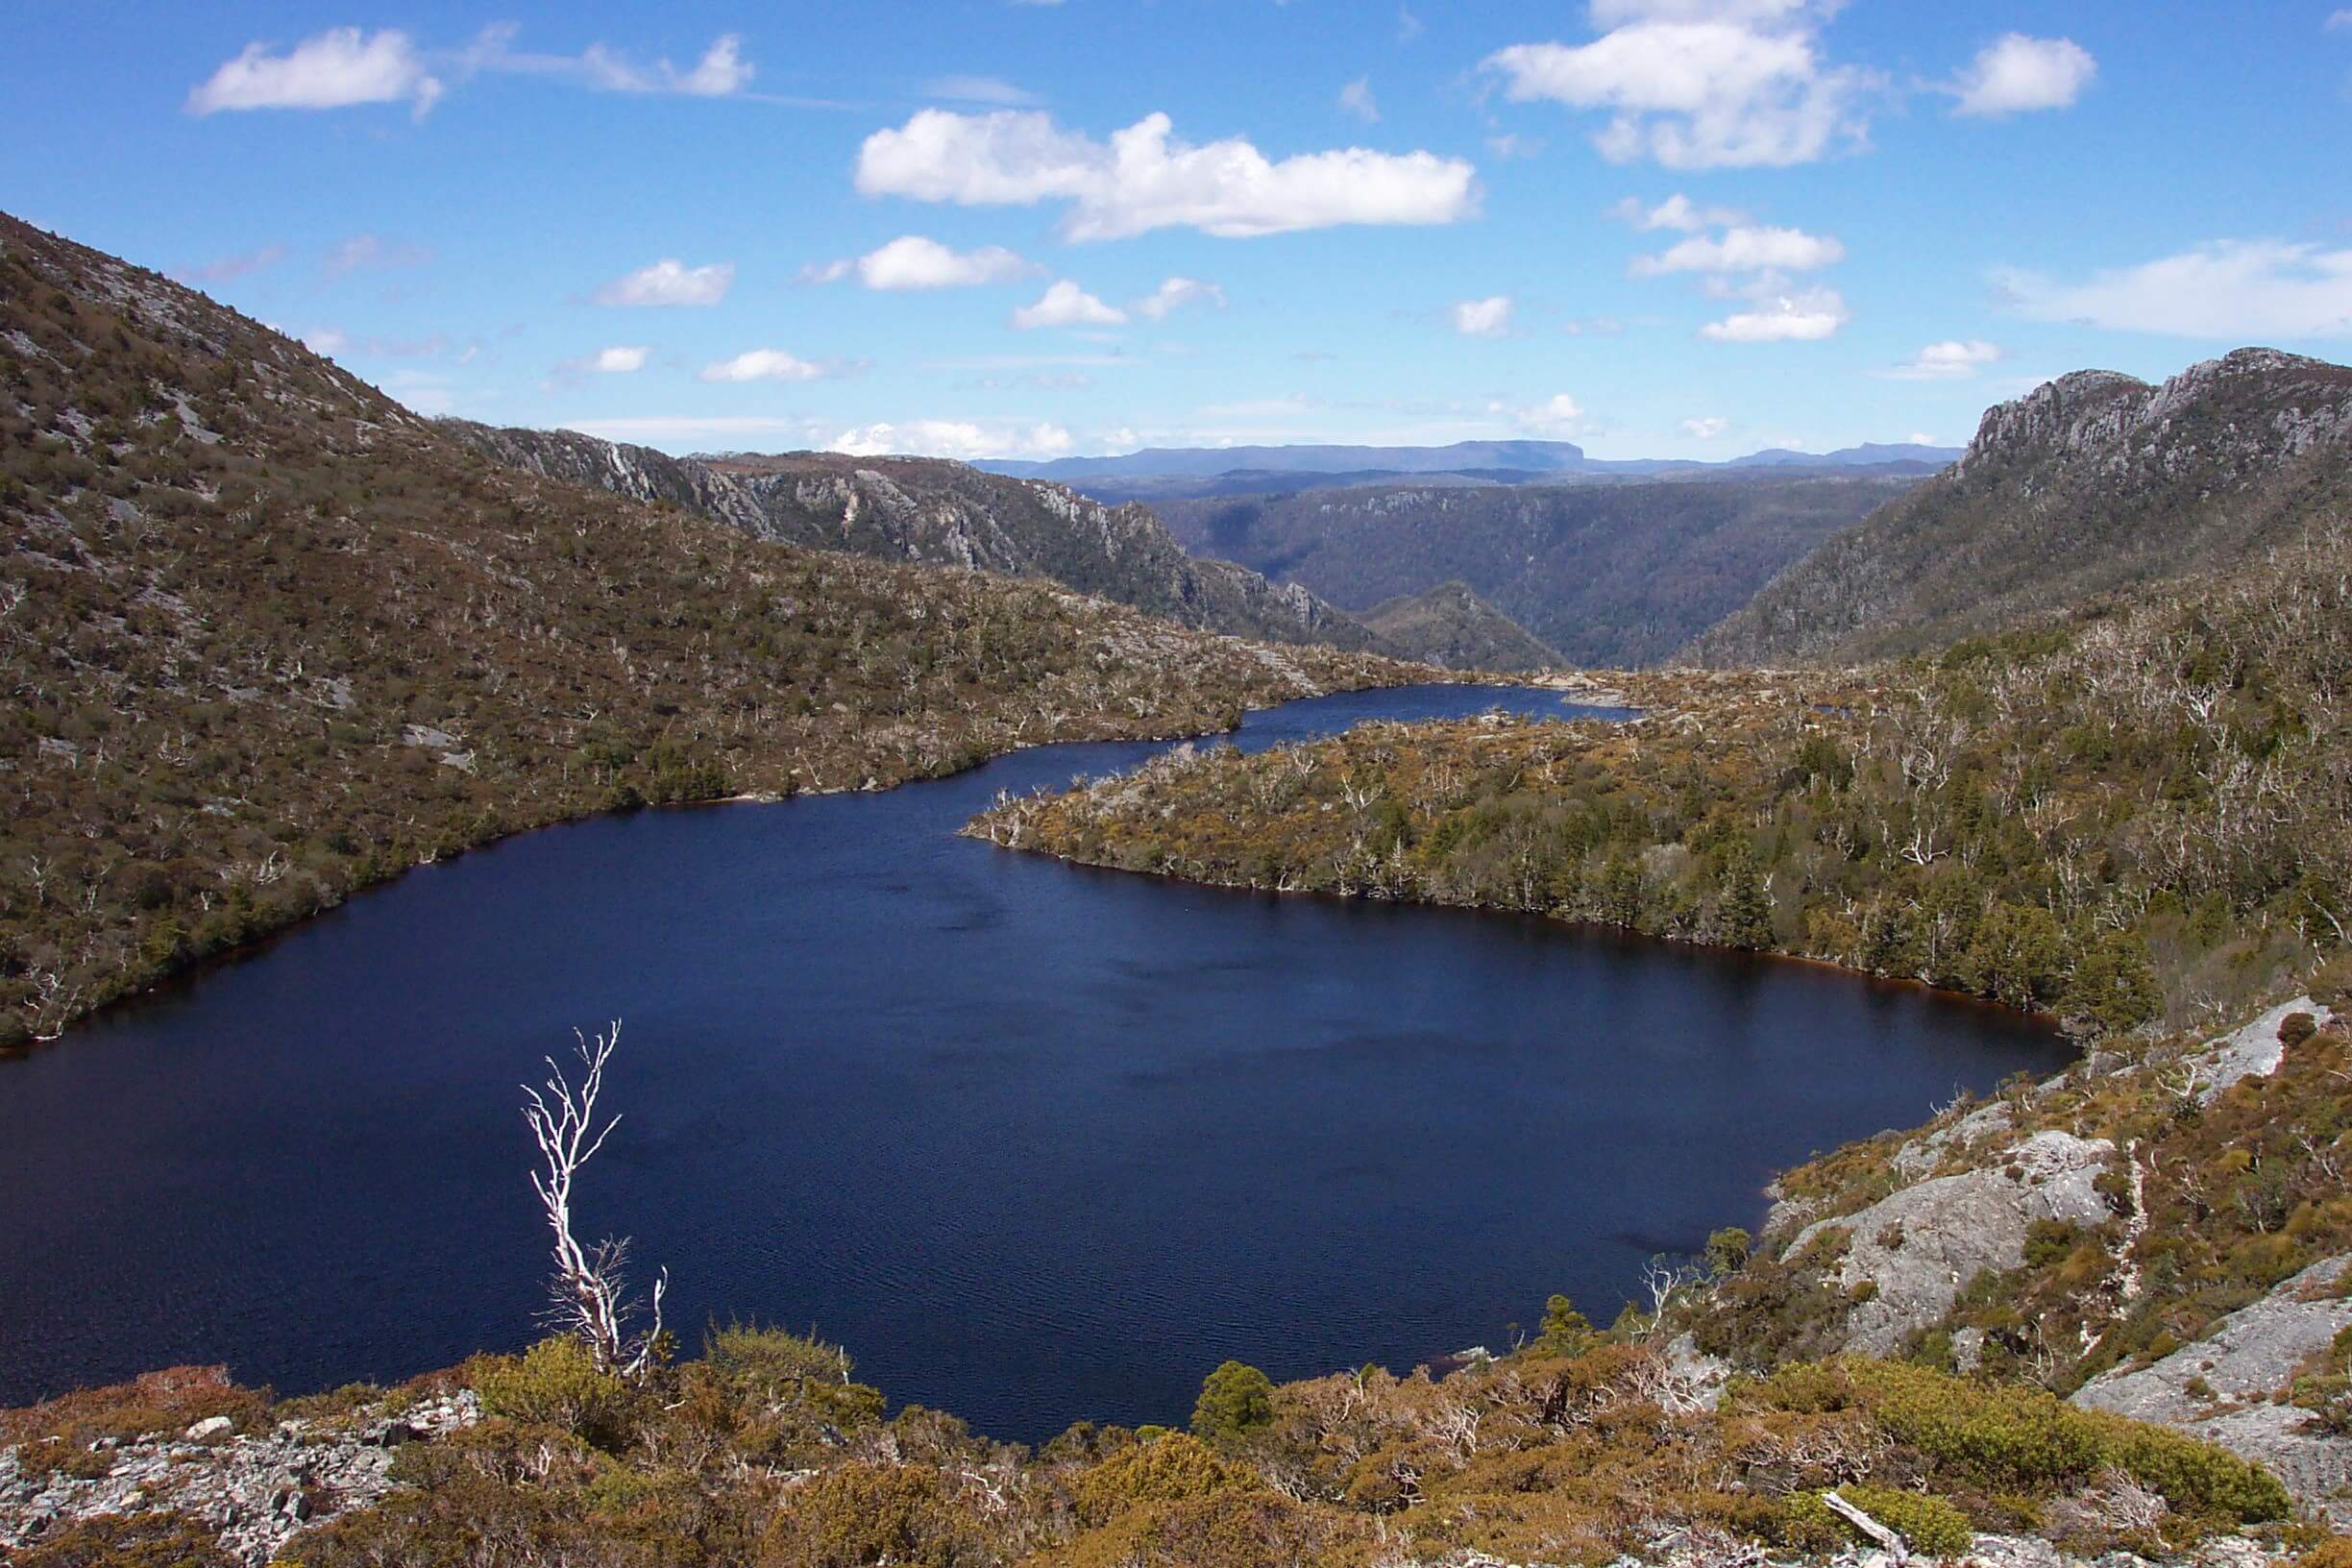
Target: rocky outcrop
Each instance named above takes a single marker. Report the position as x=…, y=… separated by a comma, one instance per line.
x=2091, y=484
x=257, y=1490
x=2253, y=1051
x=1916, y=1249
x=943, y=513
x=2229, y=1387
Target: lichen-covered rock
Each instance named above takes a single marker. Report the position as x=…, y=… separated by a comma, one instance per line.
x=1918, y=1248
x=257, y=1490
x=2223, y=1386
x=2251, y=1051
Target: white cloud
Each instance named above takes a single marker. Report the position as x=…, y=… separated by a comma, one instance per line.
x=1745, y=248
x=1782, y=317
x=1143, y=179
x=1483, y=318
x=1698, y=85
x=1677, y=213
x=620, y=359
x=952, y=438
x=1949, y=360
x=977, y=89
x=1608, y=13
x=1706, y=429
x=1556, y=418
x=669, y=282
x=1357, y=100
x=762, y=365
x=228, y=268
x=1066, y=304
x=362, y=252
x=2015, y=73
x=2237, y=289
x=345, y=65
x=1175, y=294
x=327, y=340
x=2337, y=21
x=721, y=72
x=686, y=430
x=913, y=261
x=334, y=69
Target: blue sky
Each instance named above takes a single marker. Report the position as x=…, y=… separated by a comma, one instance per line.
x=984, y=227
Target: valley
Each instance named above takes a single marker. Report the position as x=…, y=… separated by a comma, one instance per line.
x=1881, y=1051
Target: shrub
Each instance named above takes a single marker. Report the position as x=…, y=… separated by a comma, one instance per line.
x=1234, y=1401
x=1173, y=1469
x=2295, y=1028
x=140, y=1540
x=2331, y=983
x=1566, y=1331
x=1927, y=1524
x=556, y=1383
x=865, y=1513
x=2025, y=1439
x=772, y=1367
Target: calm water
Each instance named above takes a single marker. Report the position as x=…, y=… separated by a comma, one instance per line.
x=1036, y=1142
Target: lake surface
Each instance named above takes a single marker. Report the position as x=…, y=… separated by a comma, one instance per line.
x=1036, y=1142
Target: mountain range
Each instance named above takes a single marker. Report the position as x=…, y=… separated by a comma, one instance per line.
x=1620, y=573
x=945, y=513
x=1530, y=458
x=2091, y=484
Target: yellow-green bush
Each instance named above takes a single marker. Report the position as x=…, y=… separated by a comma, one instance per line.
x=865, y=1513
x=1926, y=1523
x=1173, y=1469
x=556, y=1383
x=2025, y=1439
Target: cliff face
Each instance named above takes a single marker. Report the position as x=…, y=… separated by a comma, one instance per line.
x=2093, y=483
x=943, y=513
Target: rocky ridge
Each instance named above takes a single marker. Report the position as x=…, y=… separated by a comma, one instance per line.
x=2091, y=484
x=943, y=513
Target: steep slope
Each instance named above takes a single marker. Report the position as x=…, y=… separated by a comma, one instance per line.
x=2093, y=482
x=924, y=509
x=270, y=637
x=1451, y=625
x=1618, y=573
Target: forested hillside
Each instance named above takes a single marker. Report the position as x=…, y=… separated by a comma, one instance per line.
x=1609, y=574
x=2092, y=484
x=272, y=638
x=949, y=514
x=2142, y=815
x=1450, y=625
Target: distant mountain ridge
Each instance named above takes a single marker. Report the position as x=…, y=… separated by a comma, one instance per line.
x=940, y=512
x=1616, y=573
x=2092, y=484
x=1534, y=459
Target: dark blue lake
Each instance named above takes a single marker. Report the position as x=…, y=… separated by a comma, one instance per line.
x=1037, y=1143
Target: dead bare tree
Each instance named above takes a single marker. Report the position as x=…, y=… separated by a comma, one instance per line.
x=588, y=1295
